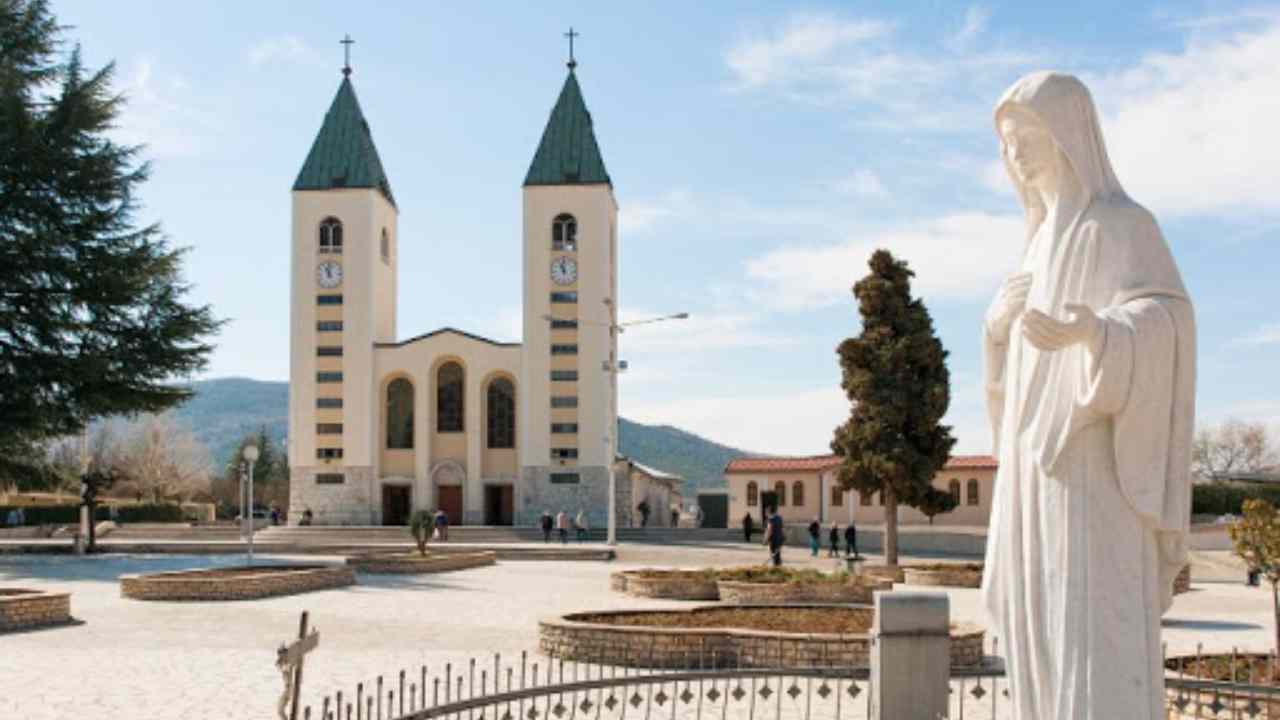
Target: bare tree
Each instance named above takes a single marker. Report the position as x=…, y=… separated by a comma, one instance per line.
x=162, y=460
x=1230, y=448
x=103, y=448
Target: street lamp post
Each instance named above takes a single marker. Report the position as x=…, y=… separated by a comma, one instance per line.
x=250, y=457
x=614, y=366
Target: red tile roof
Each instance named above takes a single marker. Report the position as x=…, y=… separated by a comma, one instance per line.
x=818, y=463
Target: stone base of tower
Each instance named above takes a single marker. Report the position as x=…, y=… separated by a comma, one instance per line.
x=537, y=493
x=350, y=502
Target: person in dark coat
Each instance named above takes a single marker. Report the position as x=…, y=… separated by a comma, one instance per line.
x=833, y=540
x=748, y=526
x=546, y=523
x=814, y=531
x=851, y=540
x=775, y=536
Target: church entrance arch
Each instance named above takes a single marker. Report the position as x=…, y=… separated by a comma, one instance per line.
x=447, y=480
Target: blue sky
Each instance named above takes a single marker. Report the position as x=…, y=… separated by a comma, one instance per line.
x=759, y=152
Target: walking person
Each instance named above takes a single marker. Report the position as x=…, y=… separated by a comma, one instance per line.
x=580, y=524
x=851, y=540
x=546, y=523
x=562, y=526
x=442, y=524
x=815, y=529
x=748, y=526
x=833, y=540
x=774, y=536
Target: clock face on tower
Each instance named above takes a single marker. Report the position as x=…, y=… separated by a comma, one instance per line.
x=564, y=271
x=329, y=274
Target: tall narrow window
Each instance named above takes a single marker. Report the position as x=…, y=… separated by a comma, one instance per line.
x=797, y=493
x=780, y=488
x=753, y=494
x=386, y=246
x=502, y=414
x=331, y=235
x=449, y=398
x=953, y=487
x=564, y=233
x=400, y=414
x=837, y=495
x=972, y=495
x=864, y=499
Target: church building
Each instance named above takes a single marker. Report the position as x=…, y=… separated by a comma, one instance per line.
x=492, y=433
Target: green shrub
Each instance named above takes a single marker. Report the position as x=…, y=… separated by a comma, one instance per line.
x=1228, y=498
x=51, y=514
x=150, y=513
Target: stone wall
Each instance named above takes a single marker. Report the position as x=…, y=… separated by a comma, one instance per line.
x=654, y=647
x=939, y=577
x=1182, y=583
x=351, y=502
x=403, y=564
x=535, y=492
x=236, y=583
x=671, y=588
x=22, y=609
x=860, y=591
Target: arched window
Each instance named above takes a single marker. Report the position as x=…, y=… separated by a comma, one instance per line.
x=972, y=493
x=780, y=488
x=331, y=235
x=837, y=495
x=753, y=494
x=954, y=488
x=449, y=398
x=502, y=414
x=864, y=499
x=386, y=246
x=400, y=415
x=564, y=233
x=797, y=493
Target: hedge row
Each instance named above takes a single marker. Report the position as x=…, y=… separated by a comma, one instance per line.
x=70, y=514
x=1227, y=498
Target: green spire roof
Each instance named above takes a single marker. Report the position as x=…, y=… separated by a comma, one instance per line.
x=343, y=155
x=568, y=153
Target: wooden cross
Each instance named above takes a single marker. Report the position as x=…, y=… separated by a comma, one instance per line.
x=289, y=662
x=346, y=43
x=571, y=35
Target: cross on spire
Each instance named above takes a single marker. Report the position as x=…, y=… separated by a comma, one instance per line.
x=346, y=43
x=571, y=35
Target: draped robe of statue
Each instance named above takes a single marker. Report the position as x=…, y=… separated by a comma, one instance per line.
x=1091, y=505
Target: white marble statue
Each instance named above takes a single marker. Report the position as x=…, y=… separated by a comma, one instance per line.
x=1090, y=380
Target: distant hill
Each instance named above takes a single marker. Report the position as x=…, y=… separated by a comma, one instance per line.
x=224, y=411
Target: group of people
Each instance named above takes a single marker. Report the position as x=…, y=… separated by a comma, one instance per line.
x=775, y=536
x=16, y=517
x=560, y=523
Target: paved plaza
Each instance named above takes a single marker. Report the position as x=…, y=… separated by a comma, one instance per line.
x=153, y=660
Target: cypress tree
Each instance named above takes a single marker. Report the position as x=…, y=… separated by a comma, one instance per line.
x=93, y=315
x=895, y=376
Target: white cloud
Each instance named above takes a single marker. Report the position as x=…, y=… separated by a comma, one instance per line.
x=964, y=255
x=641, y=216
x=862, y=183
x=975, y=23
x=1195, y=131
x=282, y=49
x=1265, y=335
x=160, y=113
x=806, y=38
x=700, y=332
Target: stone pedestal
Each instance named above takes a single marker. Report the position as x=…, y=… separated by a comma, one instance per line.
x=910, y=656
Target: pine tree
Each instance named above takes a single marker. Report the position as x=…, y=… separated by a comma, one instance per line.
x=895, y=375
x=92, y=314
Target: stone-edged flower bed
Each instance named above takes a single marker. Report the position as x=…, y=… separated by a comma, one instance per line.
x=810, y=635
x=1182, y=581
x=892, y=573
x=770, y=585
x=963, y=575
x=236, y=583
x=667, y=584
x=413, y=563
x=24, y=609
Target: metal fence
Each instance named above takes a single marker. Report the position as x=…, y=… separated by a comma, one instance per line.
x=718, y=688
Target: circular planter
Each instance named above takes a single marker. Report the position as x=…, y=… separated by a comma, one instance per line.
x=706, y=636
x=857, y=590
x=236, y=583
x=416, y=564
x=884, y=572
x=24, y=609
x=666, y=584
x=963, y=575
